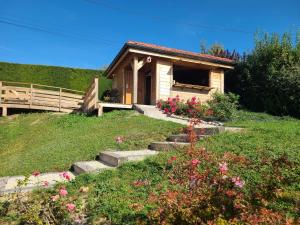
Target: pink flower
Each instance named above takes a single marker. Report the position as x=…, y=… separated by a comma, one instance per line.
x=223, y=167
x=119, y=140
x=173, y=109
x=55, y=198
x=166, y=110
x=45, y=183
x=238, y=182
x=71, y=207
x=66, y=175
x=36, y=173
x=63, y=192
x=195, y=162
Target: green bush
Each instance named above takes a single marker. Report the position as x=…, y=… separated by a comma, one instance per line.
x=224, y=106
x=268, y=79
x=77, y=79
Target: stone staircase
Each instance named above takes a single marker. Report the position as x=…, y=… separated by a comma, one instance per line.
x=107, y=160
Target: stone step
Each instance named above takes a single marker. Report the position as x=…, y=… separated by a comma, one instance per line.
x=116, y=158
x=184, y=137
x=10, y=184
x=89, y=167
x=167, y=145
x=207, y=130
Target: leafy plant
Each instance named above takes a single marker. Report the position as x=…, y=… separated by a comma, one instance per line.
x=268, y=78
x=224, y=106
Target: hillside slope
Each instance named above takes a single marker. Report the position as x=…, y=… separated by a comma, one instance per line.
x=72, y=78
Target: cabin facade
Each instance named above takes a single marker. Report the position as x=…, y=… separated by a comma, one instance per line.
x=145, y=73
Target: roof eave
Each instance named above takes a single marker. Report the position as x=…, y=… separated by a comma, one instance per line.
x=126, y=46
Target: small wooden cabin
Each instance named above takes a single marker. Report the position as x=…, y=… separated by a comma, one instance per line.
x=144, y=73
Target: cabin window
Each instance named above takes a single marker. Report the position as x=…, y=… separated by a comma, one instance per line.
x=187, y=75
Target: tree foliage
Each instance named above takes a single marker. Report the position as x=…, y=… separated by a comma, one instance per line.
x=218, y=50
x=268, y=78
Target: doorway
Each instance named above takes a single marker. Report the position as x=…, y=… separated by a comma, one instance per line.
x=147, y=96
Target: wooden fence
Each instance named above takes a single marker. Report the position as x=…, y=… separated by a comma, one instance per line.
x=91, y=98
x=41, y=97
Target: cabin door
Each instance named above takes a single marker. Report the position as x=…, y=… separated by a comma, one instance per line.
x=147, y=99
x=128, y=87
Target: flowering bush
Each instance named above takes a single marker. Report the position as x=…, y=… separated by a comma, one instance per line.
x=221, y=107
x=205, y=189
x=191, y=108
x=48, y=207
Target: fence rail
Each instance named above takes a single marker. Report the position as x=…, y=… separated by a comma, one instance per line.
x=41, y=97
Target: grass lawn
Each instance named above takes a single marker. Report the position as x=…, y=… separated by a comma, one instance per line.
x=51, y=142
x=113, y=195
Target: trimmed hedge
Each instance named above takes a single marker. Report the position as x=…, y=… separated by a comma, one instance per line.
x=77, y=79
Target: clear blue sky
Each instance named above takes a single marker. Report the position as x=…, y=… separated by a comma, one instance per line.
x=89, y=33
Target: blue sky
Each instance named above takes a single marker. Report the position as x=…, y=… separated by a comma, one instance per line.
x=89, y=33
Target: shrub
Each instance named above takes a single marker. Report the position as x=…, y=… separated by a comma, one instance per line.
x=224, y=106
x=72, y=78
x=221, y=107
x=268, y=78
x=204, y=188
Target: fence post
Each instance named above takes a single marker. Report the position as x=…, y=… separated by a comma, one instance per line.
x=31, y=95
x=96, y=81
x=59, y=99
x=0, y=91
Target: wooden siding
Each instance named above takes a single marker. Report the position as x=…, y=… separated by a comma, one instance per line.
x=216, y=80
x=165, y=78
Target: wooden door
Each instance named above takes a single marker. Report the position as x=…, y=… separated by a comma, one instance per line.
x=147, y=97
x=128, y=87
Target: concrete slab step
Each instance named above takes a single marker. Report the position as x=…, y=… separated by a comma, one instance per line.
x=184, y=138
x=10, y=184
x=116, y=158
x=207, y=130
x=89, y=167
x=167, y=145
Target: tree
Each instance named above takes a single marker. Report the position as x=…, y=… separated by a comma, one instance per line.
x=268, y=79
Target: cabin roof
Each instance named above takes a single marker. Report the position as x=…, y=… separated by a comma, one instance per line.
x=151, y=48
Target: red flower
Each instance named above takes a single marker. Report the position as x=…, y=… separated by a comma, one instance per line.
x=166, y=110
x=173, y=109
x=36, y=173
x=173, y=158
x=66, y=175
x=195, y=162
x=45, y=183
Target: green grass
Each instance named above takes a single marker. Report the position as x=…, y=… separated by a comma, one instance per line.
x=49, y=142
x=112, y=193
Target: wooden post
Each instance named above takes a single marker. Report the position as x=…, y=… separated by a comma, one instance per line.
x=59, y=104
x=100, y=109
x=96, y=81
x=31, y=95
x=124, y=87
x=135, y=79
x=0, y=91
x=4, y=111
